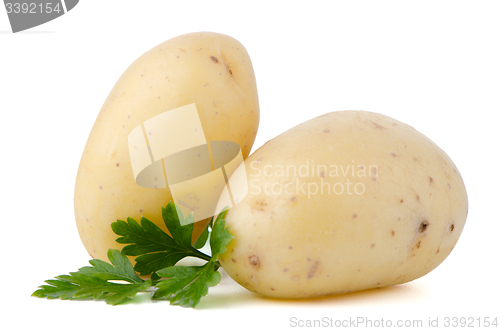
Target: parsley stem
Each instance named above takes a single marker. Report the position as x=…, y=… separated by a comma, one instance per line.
x=201, y=255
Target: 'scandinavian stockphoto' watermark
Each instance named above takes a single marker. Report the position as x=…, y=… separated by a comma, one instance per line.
x=326, y=179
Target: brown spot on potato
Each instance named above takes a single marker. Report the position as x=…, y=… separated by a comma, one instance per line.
x=140, y=210
x=326, y=131
x=372, y=245
x=272, y=289
x=214, y=59
x=117, y=164
x=401, y=201
x=290, y=247
x=417, y=197
x=312, y=270
x=100, y=187
x=418, y=244
x=430, y=180
x=285, y=269
x=254, y=261
x=293, y=199
x=233, y=260
x=393, y=233
x=452, y=227
x=259, y=159
x=449, y=186
x=322, y=174
x=394, y=155
x=423, y=226
x=354, y=215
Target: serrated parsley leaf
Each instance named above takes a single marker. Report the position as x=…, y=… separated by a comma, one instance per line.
x=93, y=282
x=185, y=286
x=154, y=248
x=120, y=269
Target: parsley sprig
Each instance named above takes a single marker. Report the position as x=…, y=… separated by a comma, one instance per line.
x=156, y=255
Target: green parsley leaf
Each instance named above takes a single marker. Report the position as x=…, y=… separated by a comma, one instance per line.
x=156, y=252
x=93, y=282
x=154, y=248
x=120, y=269
x=185, y=285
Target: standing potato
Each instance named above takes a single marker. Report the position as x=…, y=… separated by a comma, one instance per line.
x=347, y=201
x=211, y=70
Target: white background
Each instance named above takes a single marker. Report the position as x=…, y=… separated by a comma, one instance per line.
x=432, y=64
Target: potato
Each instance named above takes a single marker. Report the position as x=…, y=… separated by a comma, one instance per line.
x=211, y=70
x=347, y=201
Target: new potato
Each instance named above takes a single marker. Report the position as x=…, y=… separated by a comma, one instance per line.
x=209, y=69
x=347, y=201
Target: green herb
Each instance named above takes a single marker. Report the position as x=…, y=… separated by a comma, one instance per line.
x=154, y=248
x=93, y=282
x=186, y=285
x=156, y=254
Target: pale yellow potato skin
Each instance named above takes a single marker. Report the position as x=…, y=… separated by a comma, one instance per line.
x=211, y=70
x=404, y=224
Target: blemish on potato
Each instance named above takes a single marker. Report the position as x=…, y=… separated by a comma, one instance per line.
x=100, y=187
x=423, y=226
x=117, y=164
x=140, y=210
x=259, y=159
x=449, y=186
x=430, y=180
x=290, y=247
x=393, y=233
x=326, y=131
x=285, y=269
x=417, y=197
x=254, y=279
x=233, y=260
x=272, y=289
x=401, y=201
x=354, y=215
x=418, y=244
x=312, y=270
x=254, y=261
x=377, y=126
x=452, y=227
x=394, y=154
x=372, y=245
x=292, y=199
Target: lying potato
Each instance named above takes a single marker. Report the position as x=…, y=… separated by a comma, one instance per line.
x=210, y=70
x=347, y=201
